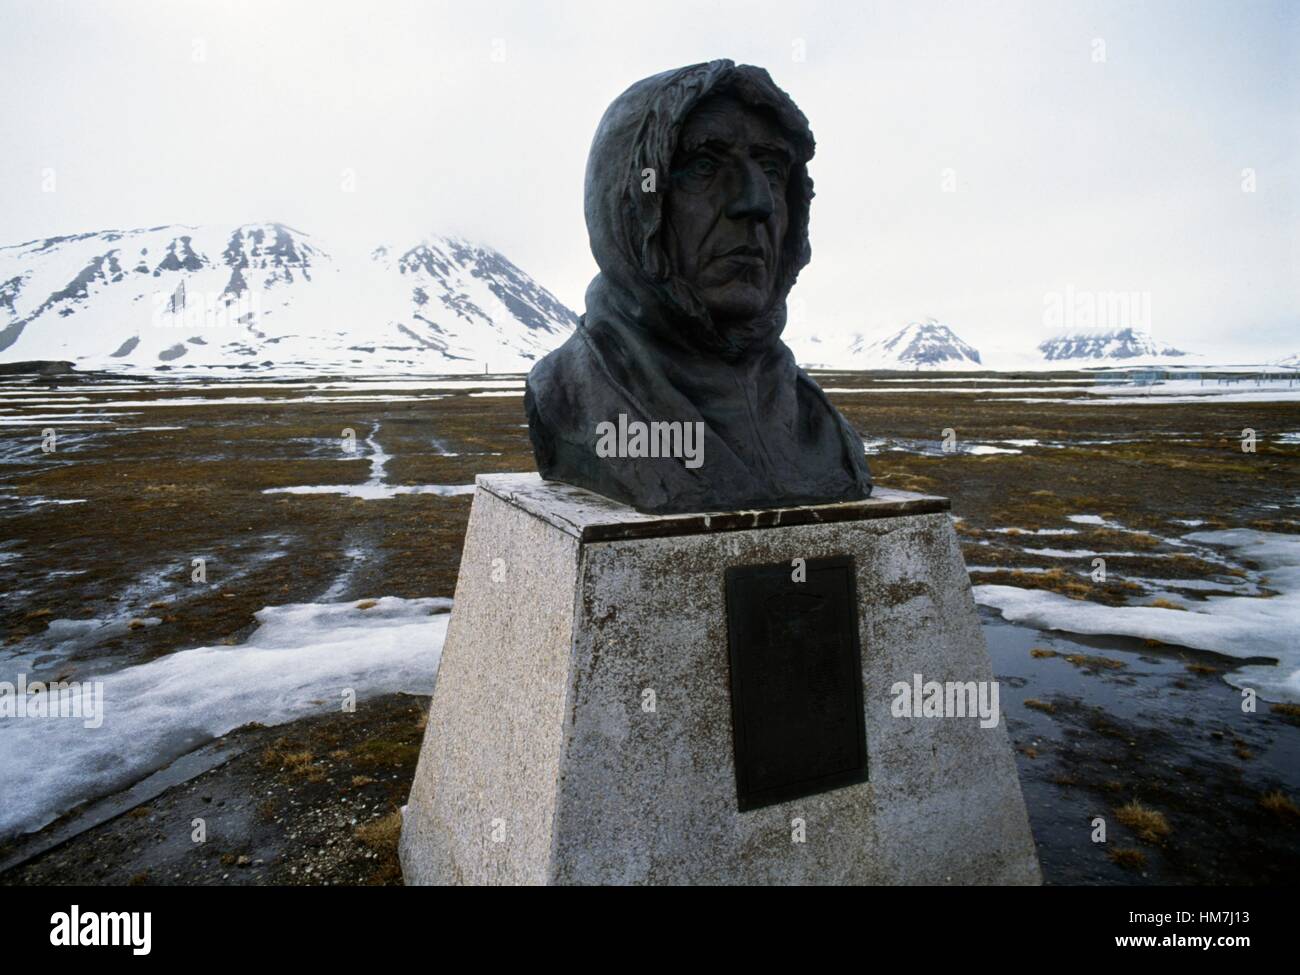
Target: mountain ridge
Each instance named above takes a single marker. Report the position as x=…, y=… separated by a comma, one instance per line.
x=1115, y=343
x=267, y=296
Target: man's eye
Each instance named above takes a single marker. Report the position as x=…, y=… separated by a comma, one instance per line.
x=702, y=166
x=775, y=173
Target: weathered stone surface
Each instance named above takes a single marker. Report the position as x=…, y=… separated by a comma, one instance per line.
x=595, y=518
x=537, y=725
x=492, y=747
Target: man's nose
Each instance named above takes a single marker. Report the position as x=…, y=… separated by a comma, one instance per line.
x=752, y=196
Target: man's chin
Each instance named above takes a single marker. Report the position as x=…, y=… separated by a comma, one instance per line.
x=737, y=304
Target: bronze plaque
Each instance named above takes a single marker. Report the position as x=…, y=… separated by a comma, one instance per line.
x=796, y=680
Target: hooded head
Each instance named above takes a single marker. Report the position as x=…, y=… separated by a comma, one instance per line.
x=696, y=263
x=697, y=206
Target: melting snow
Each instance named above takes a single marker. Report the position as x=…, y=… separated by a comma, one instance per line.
x=376, y=492
x=1236, y=626
x=375, y=489
x=44, y=421
x=1280, y=395
x=992, y=389
x=300, y=659
x=1037, y=531
x=932, y=448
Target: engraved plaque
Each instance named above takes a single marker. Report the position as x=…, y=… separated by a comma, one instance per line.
x=796, y=680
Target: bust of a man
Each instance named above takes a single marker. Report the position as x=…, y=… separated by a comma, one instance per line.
x=676, y=393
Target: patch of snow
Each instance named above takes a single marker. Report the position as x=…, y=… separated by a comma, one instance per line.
x=375, y=489
x=1036, y=531
x=1236, y=626
x=931, y=448
x=940, y=389
x=376, y=492
x=300, y=660
x=980, y=449
x=1245, y=586
x=1278, y=395
x=62, y=421
x=1009, y=568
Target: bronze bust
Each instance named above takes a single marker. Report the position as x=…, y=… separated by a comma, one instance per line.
x=676, y=393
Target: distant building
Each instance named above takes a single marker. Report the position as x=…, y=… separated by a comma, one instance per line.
x=1143, y=376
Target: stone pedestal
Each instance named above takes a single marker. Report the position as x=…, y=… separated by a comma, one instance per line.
x=581, y=728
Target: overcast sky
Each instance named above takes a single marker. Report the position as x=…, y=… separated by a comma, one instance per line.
x=1094, y=146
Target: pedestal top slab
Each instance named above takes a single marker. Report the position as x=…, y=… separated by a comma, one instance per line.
x=591, y=517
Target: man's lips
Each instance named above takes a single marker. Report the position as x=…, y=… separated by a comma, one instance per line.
x=744, y=254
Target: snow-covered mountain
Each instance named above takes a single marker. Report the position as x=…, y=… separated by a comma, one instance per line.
x=918, y=345
x=1119, y=343
x=268, y=297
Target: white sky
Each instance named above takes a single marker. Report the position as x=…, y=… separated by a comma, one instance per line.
x=1123, y=175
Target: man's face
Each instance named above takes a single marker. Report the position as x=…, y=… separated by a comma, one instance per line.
x=726, y=210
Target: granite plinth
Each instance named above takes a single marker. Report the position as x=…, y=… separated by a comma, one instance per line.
x=581, y=726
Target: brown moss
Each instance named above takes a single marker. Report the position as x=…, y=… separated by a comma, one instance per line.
x=386, y=752
x=1282, y=806
x=382, y=834
x=1090, y=662
x=1165, y=604
x=1149, y=824
x=1127, y=857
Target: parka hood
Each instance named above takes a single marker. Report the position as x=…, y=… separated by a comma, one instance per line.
x=647, y=351
x=635, y=141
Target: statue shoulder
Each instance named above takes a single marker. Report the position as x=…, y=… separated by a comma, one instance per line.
x=553, y=392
